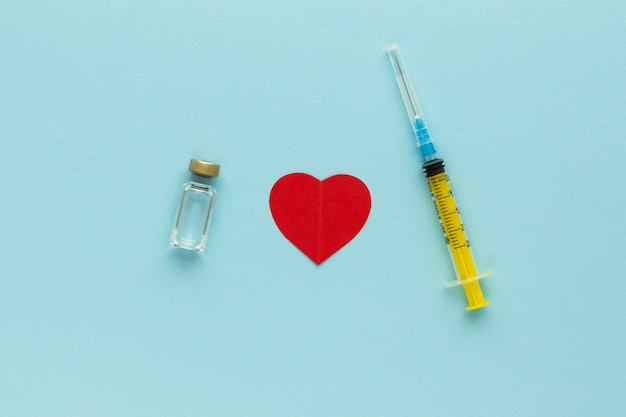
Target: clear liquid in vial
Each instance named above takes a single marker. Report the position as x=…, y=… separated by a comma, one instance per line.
x=193, y=216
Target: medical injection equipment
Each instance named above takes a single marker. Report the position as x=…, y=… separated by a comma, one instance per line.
x=454, y=233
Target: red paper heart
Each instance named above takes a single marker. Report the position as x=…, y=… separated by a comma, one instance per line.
x=319, y=217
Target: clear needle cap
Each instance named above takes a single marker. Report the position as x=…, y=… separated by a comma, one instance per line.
x=405, y=85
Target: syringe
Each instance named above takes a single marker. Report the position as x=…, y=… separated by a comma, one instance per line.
x=453, y=230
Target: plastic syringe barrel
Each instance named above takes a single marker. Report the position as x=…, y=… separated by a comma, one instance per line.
x=454, y=233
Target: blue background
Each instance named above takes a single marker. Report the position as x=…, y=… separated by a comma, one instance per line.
x=102, y=105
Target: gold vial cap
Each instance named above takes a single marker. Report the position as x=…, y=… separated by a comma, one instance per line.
x=204, y=168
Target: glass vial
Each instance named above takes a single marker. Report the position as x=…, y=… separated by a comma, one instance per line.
x=194, y=210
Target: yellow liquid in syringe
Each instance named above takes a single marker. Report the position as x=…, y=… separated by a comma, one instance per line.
x=454, y=232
